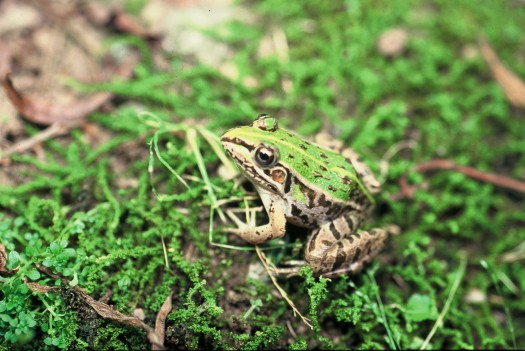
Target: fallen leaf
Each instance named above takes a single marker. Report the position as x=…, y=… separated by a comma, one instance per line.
x=47, y=113
x=38, y=288
x=104, y=16
x=512, y=85
x=3, y=258
x=160, y=324
x=76, y=293
x=3, y=261
x=127, y=24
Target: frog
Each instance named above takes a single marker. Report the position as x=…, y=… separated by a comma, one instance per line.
x=322, y=186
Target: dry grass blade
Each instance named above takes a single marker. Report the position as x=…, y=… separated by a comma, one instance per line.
x=50, y=132
x=269, y=267
x=511, y=84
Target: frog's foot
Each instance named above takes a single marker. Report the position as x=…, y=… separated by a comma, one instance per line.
x=346, y=255
x=260, y=234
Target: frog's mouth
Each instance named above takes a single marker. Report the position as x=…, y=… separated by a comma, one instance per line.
x=230, y=141
x=237, y=149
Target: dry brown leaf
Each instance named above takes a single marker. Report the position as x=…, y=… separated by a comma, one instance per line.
x=128, y=24
x=160, y=323
x=47, y=113
x=38, y=288
x=3, y=261
x=512, y=85
x=3, y=258
x=155, y=336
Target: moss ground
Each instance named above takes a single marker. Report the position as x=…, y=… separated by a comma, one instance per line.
x=452, y=279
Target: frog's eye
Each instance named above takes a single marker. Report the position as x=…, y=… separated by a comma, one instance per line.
x=266, y=156
x=266, y=123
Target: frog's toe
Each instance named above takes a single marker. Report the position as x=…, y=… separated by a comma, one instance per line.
x=392, y=229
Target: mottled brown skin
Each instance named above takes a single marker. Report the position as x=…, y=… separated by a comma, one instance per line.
x=337, y=245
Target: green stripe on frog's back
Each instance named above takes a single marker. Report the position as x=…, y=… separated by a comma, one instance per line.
x=324, y=168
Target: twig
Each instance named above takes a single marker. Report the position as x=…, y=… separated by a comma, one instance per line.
x=52, y=131
x=496, y=179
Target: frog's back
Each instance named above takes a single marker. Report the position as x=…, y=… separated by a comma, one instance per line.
x=325, y=169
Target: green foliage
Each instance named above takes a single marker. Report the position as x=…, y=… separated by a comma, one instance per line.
x=115, y=216
x=317, y=291
x=420, y=307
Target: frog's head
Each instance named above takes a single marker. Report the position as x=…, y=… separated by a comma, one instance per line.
x=255, y=149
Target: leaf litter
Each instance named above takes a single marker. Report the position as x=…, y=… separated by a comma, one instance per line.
x=84, y=301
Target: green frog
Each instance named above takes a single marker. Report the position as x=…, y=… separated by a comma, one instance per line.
x=325, y=189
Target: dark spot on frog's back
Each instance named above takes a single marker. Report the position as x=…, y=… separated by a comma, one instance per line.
x=323, y=168
x=323, y=155
x=331, y=188
x=305, y=163
x=346, y=180
x=291, y=156
x=304, y=147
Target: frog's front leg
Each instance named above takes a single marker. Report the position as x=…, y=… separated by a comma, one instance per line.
x=337, y=246
x=276, y=208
